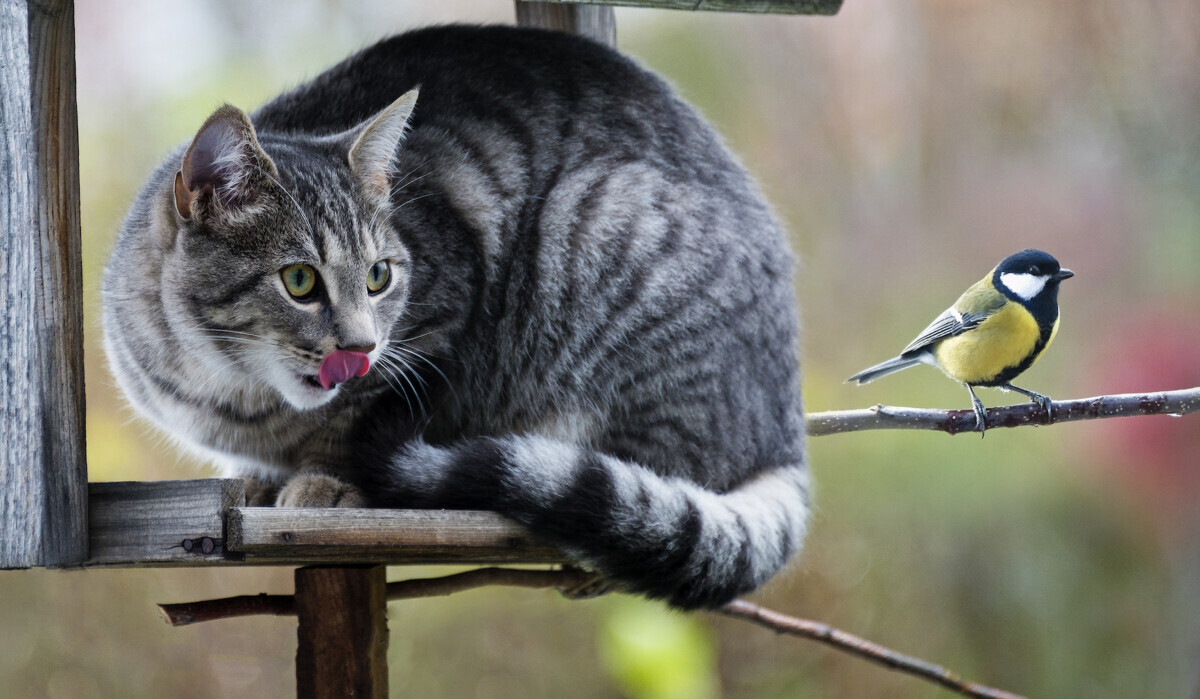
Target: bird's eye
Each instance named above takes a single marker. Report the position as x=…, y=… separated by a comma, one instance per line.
x=300, y=281
x=1034, y=270
x=378, y=276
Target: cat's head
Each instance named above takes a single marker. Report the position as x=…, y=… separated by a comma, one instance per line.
x=285, y=269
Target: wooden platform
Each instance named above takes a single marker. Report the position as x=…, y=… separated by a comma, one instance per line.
x=205, y=522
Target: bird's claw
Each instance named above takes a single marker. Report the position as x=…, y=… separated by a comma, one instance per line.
x=980, y=416
x=1046, y=403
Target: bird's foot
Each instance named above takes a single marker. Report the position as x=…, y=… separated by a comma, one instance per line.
x=980, y=413
x=1045, y=402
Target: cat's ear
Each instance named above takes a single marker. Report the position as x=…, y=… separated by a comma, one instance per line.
x=373, y=154
x=224, y=169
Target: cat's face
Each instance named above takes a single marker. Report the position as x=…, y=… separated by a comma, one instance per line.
x=286, y=272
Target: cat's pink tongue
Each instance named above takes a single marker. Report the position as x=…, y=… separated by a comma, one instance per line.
x=341, y=366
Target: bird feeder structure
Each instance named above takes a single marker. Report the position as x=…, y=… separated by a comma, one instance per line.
x=50, y=516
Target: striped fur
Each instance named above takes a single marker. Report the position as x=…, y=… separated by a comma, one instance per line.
x=591, y=325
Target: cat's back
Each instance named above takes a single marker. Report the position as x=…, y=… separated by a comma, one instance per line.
x=466, y=71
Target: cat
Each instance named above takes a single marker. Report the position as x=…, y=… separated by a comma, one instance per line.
x=481, y=268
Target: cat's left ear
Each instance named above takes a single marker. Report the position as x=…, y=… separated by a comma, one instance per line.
x=373, y=154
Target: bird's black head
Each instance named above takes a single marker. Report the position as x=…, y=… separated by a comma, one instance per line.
x=1031, y=277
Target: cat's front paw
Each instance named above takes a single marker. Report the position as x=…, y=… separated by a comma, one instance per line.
x=259, y=492
x=319, y=490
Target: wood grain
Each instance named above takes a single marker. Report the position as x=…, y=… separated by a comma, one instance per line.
x=163, y=523
x=43, y=473
x=593, y=21
x=790, y=7
x=300, y=535
x=343, y=635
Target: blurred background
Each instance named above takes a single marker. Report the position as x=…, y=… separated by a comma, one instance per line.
x=909, y=145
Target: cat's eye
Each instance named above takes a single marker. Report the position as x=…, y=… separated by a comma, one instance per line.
x=300, y=281
x=378, y=276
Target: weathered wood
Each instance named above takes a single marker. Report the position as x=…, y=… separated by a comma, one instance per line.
x=302, y=535
x=789, y=7
x=588, y=20
x=204, y=522
x=43, y=474
x=164, y=523
x=343, y=633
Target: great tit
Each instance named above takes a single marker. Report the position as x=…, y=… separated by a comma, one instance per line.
x=993, y=332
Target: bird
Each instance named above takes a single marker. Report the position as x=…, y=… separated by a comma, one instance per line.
x=997, y=329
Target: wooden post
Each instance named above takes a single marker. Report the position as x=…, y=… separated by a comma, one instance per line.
x=43, y=474
x=592, y=21
x=343, y=632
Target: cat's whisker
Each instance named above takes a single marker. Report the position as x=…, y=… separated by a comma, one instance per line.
x=287, y=194
x=398, y=188
x=403, y=181
x=404, y=375
x=418, y=337
x=416, y=198
x=387, y=371
x=389, y=352
x=414, y=353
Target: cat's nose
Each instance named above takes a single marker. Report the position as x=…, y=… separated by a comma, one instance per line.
x=365, y=349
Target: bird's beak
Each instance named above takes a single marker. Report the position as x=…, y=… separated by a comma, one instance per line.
x=1063, y=274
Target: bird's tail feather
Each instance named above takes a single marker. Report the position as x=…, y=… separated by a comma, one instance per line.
x=891, y=366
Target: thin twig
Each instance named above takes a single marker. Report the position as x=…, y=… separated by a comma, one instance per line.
x=185, y=613
x=566, y=580
x=574, y=582
x=570, y=581
x=854, y=645
x=885, y=417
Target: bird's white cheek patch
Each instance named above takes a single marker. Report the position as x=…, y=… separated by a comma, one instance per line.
x=1024, y=285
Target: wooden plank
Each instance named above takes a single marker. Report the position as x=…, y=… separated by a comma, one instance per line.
x=301, y=535
x=43, y=474
x=204, y=522
x=790, y=7
x=163, y=523
x=343, y=635
x=589, y=20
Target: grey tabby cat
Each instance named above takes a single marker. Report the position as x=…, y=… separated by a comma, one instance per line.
x=480, y=267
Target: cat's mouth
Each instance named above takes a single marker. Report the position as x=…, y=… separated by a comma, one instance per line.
x=337, y=368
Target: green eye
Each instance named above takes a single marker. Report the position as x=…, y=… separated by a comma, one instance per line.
x=377, y=276
x=300, y=280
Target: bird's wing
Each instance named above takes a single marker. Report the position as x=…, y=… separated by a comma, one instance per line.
x=971, y=309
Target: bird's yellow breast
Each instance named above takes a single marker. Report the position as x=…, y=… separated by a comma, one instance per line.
x=1004, y=340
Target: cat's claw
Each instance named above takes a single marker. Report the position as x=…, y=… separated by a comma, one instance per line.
x=593, y=586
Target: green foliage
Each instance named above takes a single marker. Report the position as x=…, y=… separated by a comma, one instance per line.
x=654, y=653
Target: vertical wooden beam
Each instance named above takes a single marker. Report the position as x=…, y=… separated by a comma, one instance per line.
x=592, y=21
x=43, y=474
x=343, y=632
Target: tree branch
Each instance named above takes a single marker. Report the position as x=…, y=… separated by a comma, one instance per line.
x=885, y=417
x=186, y=613
x=854, y=645
x=576, y=583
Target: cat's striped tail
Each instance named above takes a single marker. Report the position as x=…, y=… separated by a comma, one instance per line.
x=665, y=538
